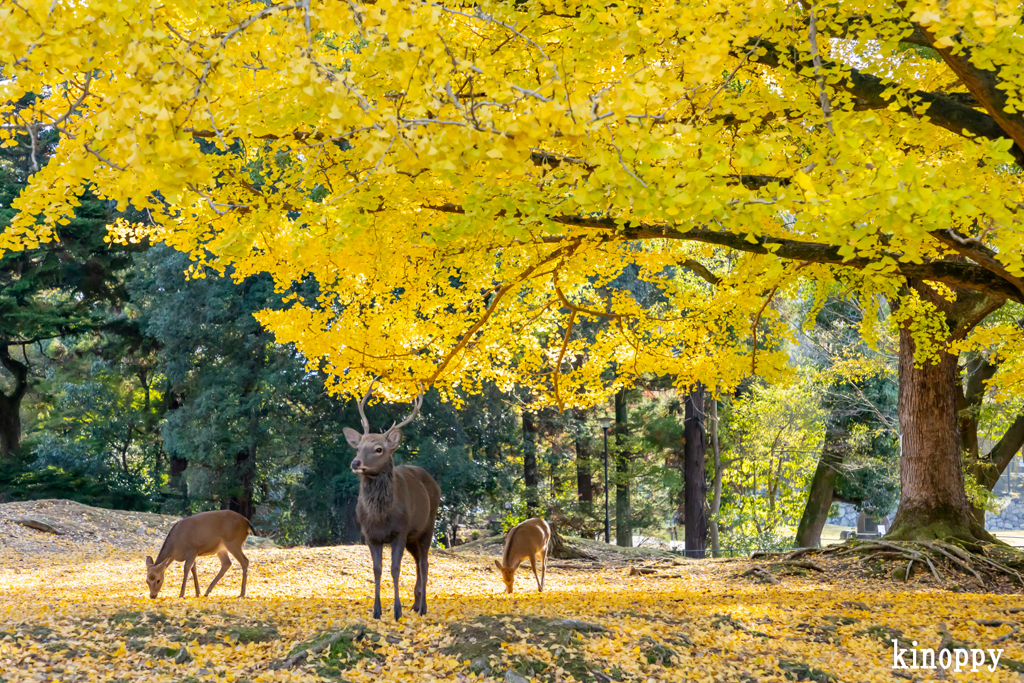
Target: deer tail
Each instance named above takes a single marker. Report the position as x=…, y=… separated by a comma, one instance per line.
x=252, y=528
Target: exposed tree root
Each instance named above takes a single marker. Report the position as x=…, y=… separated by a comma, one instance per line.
x=982, y=562
x=977, y=561
x=763, y=574
x=562, y=550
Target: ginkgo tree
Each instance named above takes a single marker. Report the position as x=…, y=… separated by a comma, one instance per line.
x=466, y=180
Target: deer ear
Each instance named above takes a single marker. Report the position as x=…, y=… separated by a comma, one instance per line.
x=149, y=561
x=352, y=436
x=393, y=438
x=497, y=563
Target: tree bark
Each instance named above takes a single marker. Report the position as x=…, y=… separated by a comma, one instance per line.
x=623, y=527
x=530, y=463
x=933, y=503
x=10, y=404
x=819, y=497
x=695, y=483
x=584, y=478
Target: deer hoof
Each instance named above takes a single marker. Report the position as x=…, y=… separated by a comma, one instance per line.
x=398, y=612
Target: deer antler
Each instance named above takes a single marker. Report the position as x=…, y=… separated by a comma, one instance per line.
x=362, y=404
x=416, y=405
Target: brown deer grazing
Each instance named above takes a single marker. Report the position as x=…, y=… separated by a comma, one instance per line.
x=528, y=540
x=397, y=505
x=209, y=533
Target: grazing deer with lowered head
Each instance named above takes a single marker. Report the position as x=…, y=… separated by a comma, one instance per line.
x=218, y=532
x=397, y=505
x=528, y=540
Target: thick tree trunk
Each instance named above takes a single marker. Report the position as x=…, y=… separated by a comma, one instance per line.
x=932, y=499
x=819, y=497
x=10, y=404
x=530, y=463
x=584, y=477
x=695, y=483
x=623, y=526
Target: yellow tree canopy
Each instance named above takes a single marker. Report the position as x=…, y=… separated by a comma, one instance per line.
x=538, y=191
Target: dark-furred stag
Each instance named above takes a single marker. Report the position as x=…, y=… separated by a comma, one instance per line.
x=396, y=506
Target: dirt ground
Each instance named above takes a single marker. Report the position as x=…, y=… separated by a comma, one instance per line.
x=75, y=608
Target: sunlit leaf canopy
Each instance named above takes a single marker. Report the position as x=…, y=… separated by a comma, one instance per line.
x=532, y=192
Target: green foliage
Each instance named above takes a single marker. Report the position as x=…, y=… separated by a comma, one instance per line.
x=22, y=479
x=859, y=391
x=773, y=437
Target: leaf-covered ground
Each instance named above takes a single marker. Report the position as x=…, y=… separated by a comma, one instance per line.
x=79, y=616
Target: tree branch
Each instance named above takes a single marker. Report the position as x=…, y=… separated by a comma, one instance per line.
x=954, y=273
x=1004, y=450
x=701, y=270
x=944, y=110
x=984, y=85
x=977, y=252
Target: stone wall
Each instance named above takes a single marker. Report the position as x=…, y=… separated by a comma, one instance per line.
x=847, y=516
x=1010, y=519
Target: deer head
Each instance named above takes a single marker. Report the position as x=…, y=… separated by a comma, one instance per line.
x=155, y=575
x=374, y=452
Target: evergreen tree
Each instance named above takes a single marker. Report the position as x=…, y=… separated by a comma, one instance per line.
x=69, y=286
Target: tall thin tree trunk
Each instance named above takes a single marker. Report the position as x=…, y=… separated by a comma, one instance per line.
x=716, y=496
x=819, y=497
x=623, y=525
x=694, y=478
x=530, y=463
x=584, y=478
x=10, y=404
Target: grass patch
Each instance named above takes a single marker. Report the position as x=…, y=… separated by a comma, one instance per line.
x=348, y=648
x=800, y=671
x=882, y=633
x=481, y=641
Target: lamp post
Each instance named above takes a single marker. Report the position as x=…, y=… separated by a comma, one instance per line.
x=606, y=423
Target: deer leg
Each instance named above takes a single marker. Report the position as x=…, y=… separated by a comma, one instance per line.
x=195, y=575
x=225, y=562
x=377, y=555
x=397, y=549
x=533, y=566
x=243, y=561
x=190, y=561
x=424, y=561
x=414, y=550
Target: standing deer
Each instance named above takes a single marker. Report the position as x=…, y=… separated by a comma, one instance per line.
x=526, y=541
x=397, y=505
x=217, y=532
